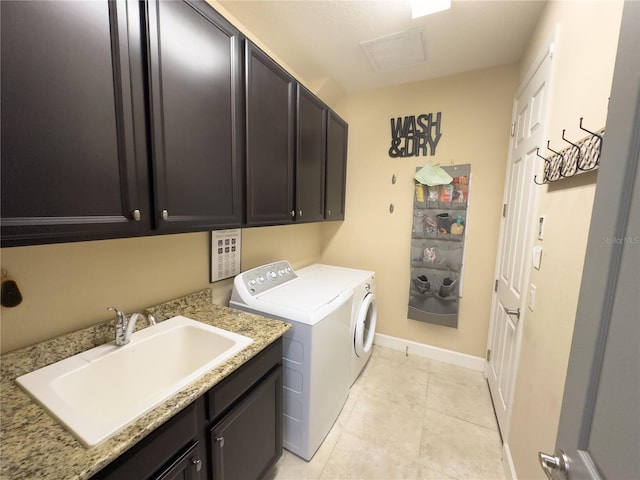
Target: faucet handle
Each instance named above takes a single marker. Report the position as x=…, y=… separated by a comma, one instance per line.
x=122, y=317
x=151, y=320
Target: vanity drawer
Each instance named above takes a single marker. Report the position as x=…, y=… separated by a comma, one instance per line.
x=223, y=395
x=160, y=447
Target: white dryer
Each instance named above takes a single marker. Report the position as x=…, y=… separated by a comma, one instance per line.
x=315, y=350
x=364, y=312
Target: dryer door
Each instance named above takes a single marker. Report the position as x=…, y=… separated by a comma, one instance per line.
x=365, y=325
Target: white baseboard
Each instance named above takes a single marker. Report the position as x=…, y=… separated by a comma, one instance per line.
x=507, y=463
x=428, y=351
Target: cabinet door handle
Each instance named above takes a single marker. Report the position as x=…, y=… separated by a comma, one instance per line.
x=220, y=441
x=196, y=462
x=165, y=214
x=135, y=214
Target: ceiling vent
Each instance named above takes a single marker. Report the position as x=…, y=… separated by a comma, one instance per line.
x=396, y=51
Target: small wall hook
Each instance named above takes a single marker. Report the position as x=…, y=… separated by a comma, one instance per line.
x=562, y=162
x=546, y=167
x=599, y=147
x=571, y=143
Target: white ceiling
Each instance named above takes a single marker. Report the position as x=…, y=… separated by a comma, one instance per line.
x=320, y=39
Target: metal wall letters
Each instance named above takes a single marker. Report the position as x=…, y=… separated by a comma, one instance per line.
x=413, y=137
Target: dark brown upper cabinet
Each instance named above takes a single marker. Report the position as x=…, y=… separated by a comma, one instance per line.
x=195, y=85
x=310, y=157
x=270, y=140
x=336, y=167
x=74, y=162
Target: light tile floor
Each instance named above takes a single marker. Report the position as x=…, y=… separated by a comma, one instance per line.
x=407, y=418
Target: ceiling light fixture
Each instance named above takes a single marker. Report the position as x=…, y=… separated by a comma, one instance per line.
x=420, y=8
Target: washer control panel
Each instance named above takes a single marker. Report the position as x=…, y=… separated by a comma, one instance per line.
x=260, y=279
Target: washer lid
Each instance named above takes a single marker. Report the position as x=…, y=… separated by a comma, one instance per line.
x=305, y=295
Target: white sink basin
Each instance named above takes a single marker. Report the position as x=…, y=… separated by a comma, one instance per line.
x=97, y=393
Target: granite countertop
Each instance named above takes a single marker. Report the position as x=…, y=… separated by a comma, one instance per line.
x=35, y=445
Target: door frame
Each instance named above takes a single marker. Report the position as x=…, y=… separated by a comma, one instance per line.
x=608, y=241
x=547, y=51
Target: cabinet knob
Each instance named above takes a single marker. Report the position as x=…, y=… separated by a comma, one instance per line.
x=328, y=213
x=136, y=215
x=299, y=213
x=220, y=441
x=196, y=462
x=165, y=214
x=293, y=213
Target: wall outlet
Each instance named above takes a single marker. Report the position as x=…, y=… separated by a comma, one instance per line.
x=532, y=296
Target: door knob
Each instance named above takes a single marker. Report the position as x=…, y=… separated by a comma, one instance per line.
x=555, y=467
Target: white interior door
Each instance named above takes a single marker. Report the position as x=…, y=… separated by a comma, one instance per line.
x=516, y=239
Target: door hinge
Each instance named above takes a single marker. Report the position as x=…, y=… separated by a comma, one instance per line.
x=495, y=286
x=504, y=210
x=513, y=129
x=488, y=355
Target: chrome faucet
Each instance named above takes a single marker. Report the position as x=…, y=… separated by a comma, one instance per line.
x=125, y=326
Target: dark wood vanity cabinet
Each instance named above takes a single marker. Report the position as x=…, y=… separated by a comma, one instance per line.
x=74, y=162
x=175, y=446
x=234, y=431
x=336, y=167
x=270, y=139
x=244, y=429
x=196, y=116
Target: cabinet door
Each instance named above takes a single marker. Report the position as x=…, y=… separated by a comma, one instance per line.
x=247, y=442
x=73, y=141
x=196, y=116
x=186, y=467
x=336, y=167
x=310, y=157
x=270, y=140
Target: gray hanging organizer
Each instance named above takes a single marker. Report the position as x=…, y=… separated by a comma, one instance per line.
x=437, y=245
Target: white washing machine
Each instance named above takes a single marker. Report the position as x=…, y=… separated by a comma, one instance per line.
x=364, y=312
x=315, y=382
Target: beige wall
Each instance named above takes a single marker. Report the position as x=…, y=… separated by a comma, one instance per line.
x=586, y=42
x=476, y=112
x=68, y=286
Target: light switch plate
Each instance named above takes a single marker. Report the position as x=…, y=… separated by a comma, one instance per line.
x=537, y=257
x=225, y=253
x=532, y=296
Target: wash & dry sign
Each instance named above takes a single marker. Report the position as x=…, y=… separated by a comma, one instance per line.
x=415, y=136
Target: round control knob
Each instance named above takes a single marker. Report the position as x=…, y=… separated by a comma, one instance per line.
x=252, y=282
x=272, y=275
x=281, y=272
x=261, y=279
